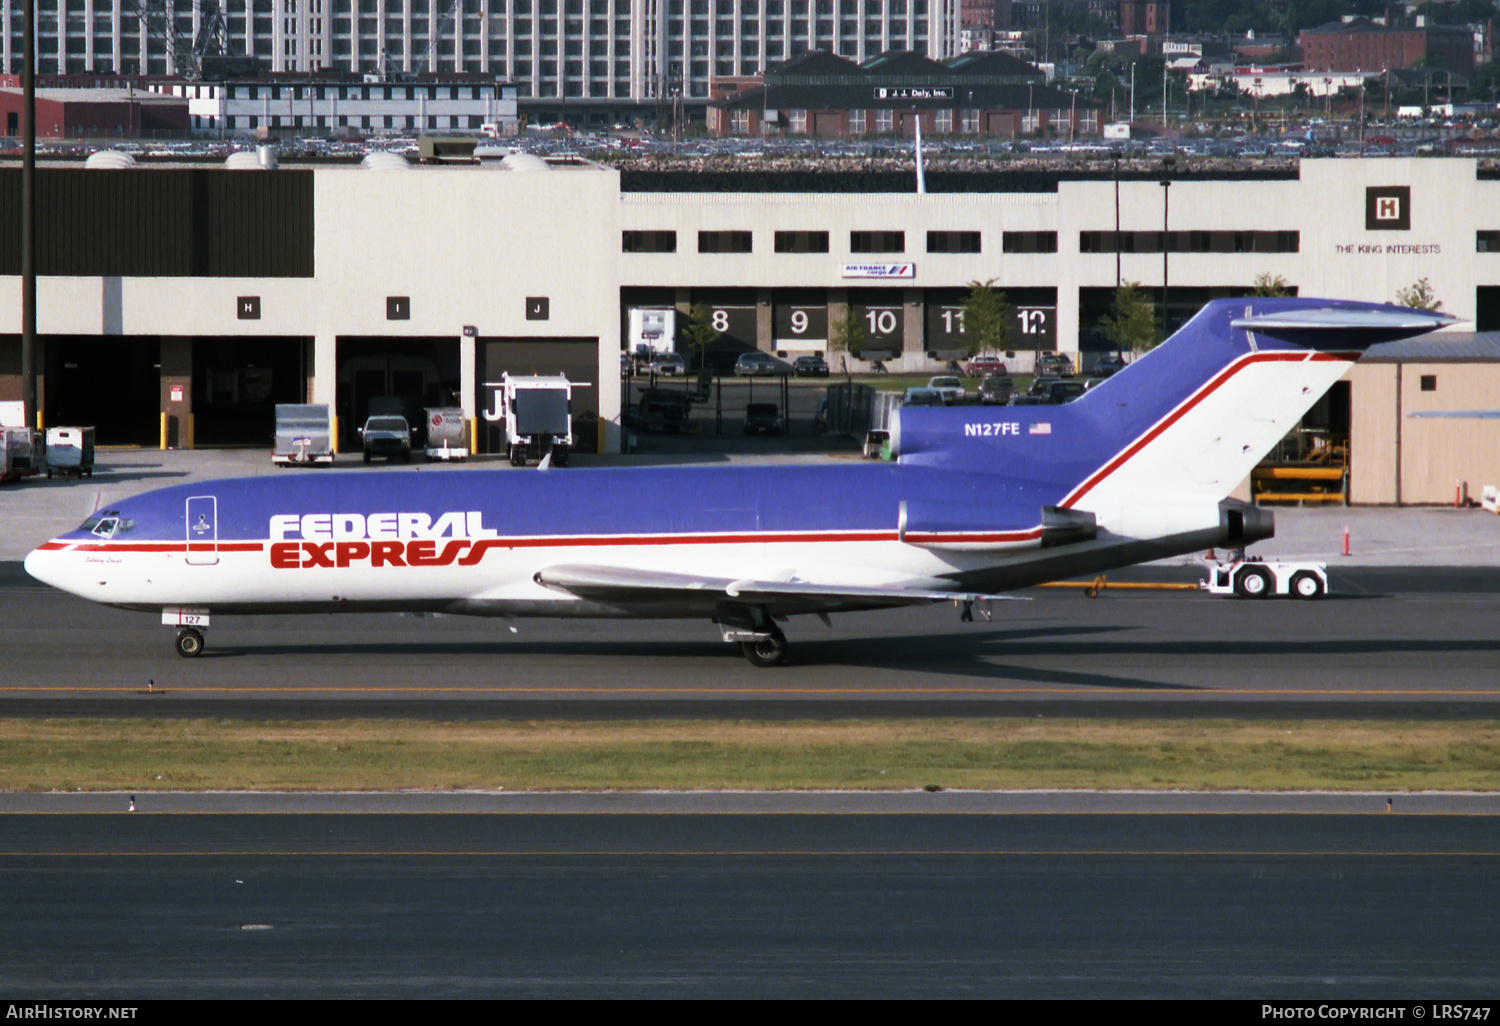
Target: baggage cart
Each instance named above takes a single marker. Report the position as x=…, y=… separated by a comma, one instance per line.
x=70, y=451
x=446, y=437
x=304, y=435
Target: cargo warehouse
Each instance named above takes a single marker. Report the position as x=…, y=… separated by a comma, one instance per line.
x=205, y=294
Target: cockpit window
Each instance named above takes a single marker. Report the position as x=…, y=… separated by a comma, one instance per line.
x=106, y=524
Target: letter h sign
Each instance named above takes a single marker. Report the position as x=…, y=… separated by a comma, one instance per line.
x=1388, y=208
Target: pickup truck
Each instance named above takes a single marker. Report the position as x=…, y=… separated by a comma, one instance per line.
x=387, y=436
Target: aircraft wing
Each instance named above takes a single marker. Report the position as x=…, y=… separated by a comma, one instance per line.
x=617, y=584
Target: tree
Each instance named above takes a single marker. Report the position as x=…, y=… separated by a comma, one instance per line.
x=987, y=316
x=1133, y=325
x=699, y=332
x=846, y=334
x=1269, y=284
x=1419, y=296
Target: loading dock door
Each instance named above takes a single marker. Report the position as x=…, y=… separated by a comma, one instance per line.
x=202, y=530
x=578, y=358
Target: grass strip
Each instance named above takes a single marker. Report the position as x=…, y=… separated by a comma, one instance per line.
x=145, y=755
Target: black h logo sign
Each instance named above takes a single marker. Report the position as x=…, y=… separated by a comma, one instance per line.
x=1388, y=208
x=248, y=308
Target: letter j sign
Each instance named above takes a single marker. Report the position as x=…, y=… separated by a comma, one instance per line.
x=1388, y=208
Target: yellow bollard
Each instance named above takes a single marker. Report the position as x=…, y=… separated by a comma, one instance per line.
x=165, y=420
x=185, y=442
x=333, y=433
x=473, y=436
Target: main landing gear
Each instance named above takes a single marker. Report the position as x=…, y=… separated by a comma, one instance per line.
x=189, y=643
x=768, y=650
x=758, y=636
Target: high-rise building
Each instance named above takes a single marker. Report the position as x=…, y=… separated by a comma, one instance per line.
x=622, y=50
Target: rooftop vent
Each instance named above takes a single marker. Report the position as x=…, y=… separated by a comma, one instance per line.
x=385, y=161
x=524, y=162
x=109, y=160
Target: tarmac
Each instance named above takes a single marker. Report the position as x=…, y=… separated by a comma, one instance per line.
x=37, y=509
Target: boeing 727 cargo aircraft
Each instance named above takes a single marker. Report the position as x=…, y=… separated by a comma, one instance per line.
x=980, y=501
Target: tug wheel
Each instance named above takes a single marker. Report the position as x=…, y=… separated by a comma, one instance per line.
x=1252, y=582
x=1306, y=585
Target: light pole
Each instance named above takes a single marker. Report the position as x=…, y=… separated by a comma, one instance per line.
x=28, y=225
x=1115, y=156
x=1166, y=245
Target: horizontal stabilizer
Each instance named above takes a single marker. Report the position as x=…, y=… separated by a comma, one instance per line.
x=1354, y=328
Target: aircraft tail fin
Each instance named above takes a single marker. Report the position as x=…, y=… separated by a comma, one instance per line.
x=1183, y=424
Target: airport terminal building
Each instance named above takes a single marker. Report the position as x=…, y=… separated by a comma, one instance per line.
x=209, y=294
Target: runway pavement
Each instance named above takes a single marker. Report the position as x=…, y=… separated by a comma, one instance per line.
x=1268, y=906
x=910, y=894
x=1421, y=642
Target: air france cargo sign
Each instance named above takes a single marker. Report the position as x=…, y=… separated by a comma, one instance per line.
x=903, y=270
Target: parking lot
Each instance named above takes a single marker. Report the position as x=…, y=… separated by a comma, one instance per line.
x=677, y=414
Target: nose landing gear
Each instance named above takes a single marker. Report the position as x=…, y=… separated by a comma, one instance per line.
x=189, y=643
x=190, y=624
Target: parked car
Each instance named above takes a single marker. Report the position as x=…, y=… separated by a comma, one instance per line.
x=996, y=390
x=1109, y=363
x=1055, y=364
x=763, y=418
x=661, y=410
x=756, y=364
x=1042, y=384
x=984, y=365
x=1027, y=400
x=668, y=364
x=387, y=437
x=1064, y=392
x=922, y=397
x=951, y=388
x=810, y=367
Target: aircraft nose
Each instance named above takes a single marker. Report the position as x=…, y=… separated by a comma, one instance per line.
x=42, y=563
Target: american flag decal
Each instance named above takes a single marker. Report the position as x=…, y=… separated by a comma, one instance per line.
x=1042, y=428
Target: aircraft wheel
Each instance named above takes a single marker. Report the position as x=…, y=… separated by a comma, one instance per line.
x=768, y=651
x=1306, y=585
x=1253, y=582
x=189, y=643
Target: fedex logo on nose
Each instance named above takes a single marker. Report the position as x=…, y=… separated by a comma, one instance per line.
x=323, y=527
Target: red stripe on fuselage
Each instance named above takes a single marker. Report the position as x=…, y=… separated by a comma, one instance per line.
x=480, y=545
x=105, y=546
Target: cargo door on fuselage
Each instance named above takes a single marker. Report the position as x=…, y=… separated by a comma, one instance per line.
x=202, y=530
